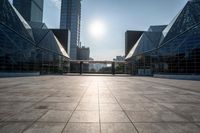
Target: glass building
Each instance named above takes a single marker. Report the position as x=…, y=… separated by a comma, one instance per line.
x=31, y=10
x=70, y=19
x=28, y=49
x=174, y=49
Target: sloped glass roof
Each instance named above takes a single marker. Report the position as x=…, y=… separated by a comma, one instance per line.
x=47, y=40
x=148, y=41
x=10, y=17
x=186, y=19
x=26, y=25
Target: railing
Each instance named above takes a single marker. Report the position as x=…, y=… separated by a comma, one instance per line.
x=98, y=67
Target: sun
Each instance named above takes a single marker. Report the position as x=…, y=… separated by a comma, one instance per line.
x=97, y=29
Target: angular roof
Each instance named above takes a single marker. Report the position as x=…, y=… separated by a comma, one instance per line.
x=46, y=39
x=10, y=17
x=148, y=41
x=188, y=17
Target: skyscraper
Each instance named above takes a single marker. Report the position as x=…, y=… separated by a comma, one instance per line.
x=70, y=19
x=31, y=10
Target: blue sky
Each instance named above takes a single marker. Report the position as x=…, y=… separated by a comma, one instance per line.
x=118, y=16
x=122, y=15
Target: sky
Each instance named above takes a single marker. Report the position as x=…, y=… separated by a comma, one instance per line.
x=117, y=16
x=122, y=15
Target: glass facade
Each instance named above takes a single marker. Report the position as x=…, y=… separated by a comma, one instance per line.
x=141, y=58
x=23, y=49
x=181, y=54
x=70, y=19
x=173, y=50
x=31, y=10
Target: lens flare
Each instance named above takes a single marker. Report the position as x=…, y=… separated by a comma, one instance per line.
x=97, y=29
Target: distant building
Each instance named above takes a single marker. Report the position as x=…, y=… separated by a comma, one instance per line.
x=131, y=38
x=91, y=59
x=71, y=19
x=83, y=53
x=31, y=10
x=119, y=58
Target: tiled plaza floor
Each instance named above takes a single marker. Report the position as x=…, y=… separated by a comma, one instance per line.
x=99, y=104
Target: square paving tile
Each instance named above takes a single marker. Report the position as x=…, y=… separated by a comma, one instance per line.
x=151, y=104
x=133, y=107
x=192, y=116
x=167, y=128
x=110, y=107
x=113, y=116
x=88, y=107
x=56, y=116
x=43, y=105
x=152, y=128
x=4, y=116
x=183, y=107
x=65, y=106
x=82, y=128
x=28, y=115
x=14, y=127
x=91, y=100
x=154, y=107
x=61, y=99
x=145, y=116
x=117, y=128
x=46, y=128
x=103, y=100
x=56, y=106
x=85, y=116
x=13, y=107
x=184, y=128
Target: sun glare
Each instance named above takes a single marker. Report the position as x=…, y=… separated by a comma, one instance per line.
x=97, y=29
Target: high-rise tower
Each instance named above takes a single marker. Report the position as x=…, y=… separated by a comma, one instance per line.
x=70, y=19
x=31, y=10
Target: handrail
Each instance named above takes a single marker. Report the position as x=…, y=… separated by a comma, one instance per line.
x=92, y=61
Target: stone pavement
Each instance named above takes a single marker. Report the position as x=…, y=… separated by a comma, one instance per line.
x=98, y=104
